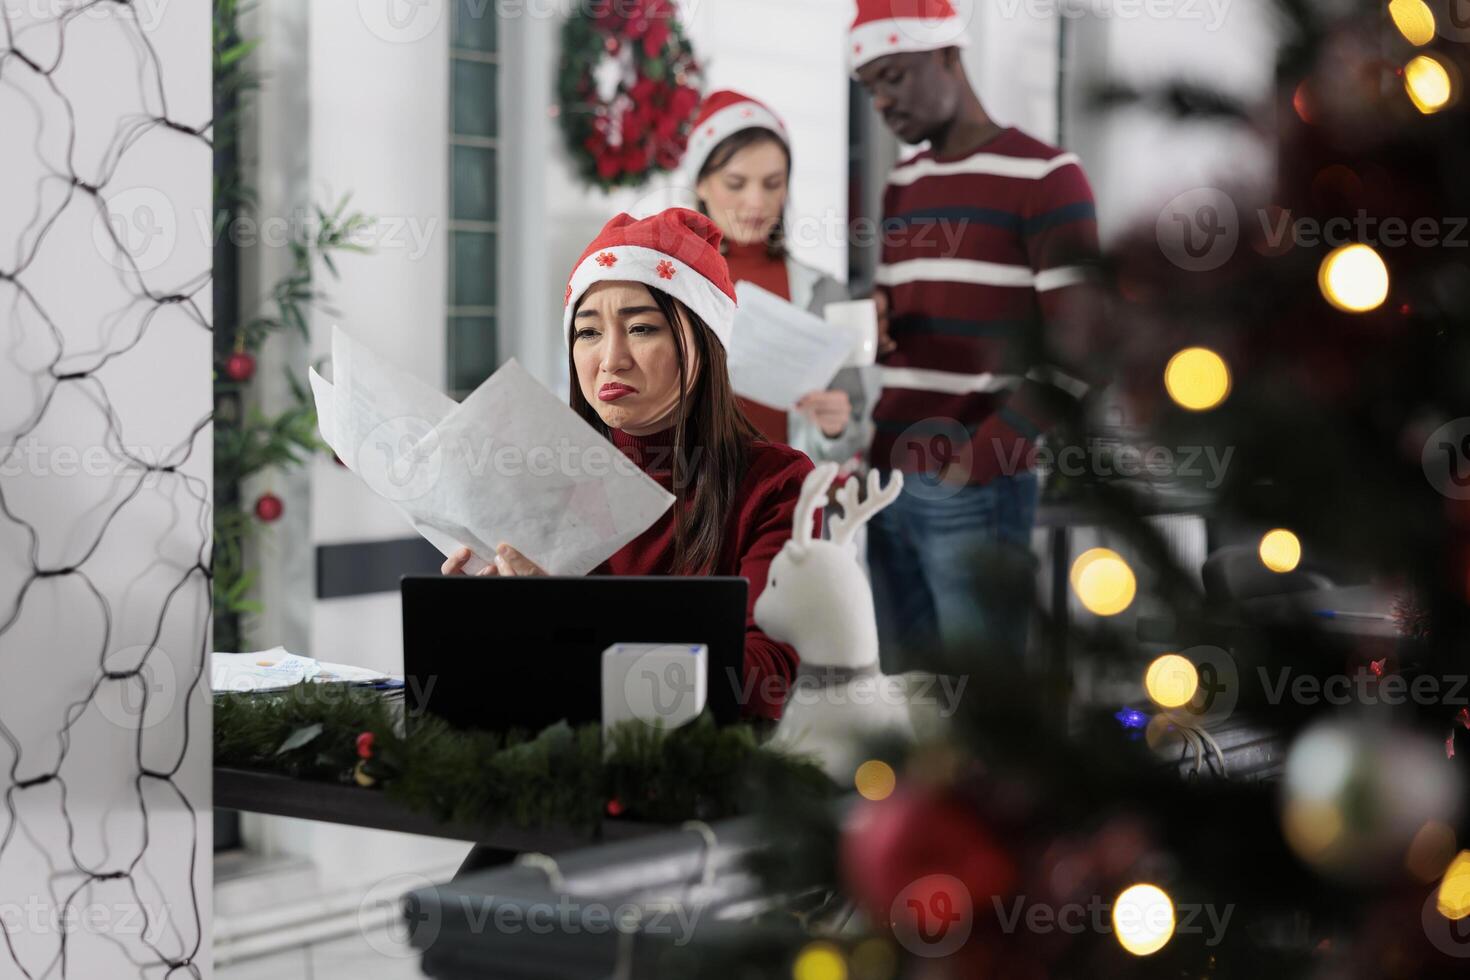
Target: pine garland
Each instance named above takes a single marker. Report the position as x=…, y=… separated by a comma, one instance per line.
x=559, y=777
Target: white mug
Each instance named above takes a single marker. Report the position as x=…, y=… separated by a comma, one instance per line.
x=860, y=318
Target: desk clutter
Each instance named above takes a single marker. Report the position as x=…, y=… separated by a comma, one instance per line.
x=562, y=776
x=277, y=669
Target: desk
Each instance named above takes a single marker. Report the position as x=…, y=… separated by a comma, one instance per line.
x=282, y=796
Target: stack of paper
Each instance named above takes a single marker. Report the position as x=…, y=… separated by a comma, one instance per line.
x=276, y=669
x=510, y=464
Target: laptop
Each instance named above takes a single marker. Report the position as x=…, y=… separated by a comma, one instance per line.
x=525, y=652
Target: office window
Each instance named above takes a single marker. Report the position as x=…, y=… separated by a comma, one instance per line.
x=473, y=232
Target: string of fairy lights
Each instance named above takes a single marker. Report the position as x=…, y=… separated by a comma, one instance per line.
x=32, y=52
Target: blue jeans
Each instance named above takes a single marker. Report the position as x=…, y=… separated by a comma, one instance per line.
x=953, y=573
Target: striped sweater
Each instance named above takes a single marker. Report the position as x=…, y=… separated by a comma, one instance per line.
x=977, y=253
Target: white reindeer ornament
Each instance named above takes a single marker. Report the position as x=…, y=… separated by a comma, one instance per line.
x=817, y=599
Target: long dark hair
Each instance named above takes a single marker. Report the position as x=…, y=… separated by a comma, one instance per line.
x=712, y=439
x=720, y=157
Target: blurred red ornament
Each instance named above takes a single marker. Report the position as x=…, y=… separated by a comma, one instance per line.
x=614, y=807
x=269, y=507
x=891, y=847
x=365, y=745
x=240, y=366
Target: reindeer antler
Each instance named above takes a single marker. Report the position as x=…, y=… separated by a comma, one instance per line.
x=813, y=496
x=854, y=514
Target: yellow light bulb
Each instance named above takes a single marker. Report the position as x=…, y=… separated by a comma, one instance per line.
x=1414, y=20
x=1280, y=550
x=819, y=961
x=1103, y=582
x=1197, y=378
x=1354, y=279
x=1428, y=83
x=1453, y=900
x=1171, y=680
x=1143, y=919
x=874, y=780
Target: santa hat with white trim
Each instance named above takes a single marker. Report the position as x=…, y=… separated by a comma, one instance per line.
x=676, y=251
x=885, y=27
x=722, y=115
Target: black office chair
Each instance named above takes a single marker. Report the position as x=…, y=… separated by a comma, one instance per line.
x=1235, y=572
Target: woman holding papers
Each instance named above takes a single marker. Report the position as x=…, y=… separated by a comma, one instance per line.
x=740, y=159
x=648, y=315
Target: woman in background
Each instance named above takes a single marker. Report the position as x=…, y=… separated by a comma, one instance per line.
x=740, y=157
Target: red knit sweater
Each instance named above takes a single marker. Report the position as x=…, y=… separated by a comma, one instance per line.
x=757, y=526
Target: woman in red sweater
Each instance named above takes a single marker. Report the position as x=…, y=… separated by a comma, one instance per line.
x=739, y=166
x=648, y=315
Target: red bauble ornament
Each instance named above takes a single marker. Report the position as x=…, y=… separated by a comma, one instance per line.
x=269, y=507
x=919, y=854
x=365, y=745
x=614, y=807
x=240, y=366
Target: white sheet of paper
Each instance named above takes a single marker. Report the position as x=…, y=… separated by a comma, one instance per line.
x=511, y=463
x=860, y=316
x=779, y=352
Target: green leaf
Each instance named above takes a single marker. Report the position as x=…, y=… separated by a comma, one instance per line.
x=300, y=737
x=230, y=55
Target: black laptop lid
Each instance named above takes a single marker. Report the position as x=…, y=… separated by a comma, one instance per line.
x=525, y=652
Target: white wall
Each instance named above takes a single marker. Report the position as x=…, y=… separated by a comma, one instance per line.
x=378, y=128
x=127, y=790
x=1012, y=62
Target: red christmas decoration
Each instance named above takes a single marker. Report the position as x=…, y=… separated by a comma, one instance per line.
x=643, y=127
x=269, y=507
x=917, y=842
x=240, y=366
x=614, y=807
x=365, y=745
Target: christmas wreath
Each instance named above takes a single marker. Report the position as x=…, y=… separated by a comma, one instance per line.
x=628, y=90
x=560, y=777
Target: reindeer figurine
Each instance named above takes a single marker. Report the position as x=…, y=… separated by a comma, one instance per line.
x=817, y=599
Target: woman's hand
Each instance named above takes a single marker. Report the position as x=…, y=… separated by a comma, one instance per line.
x=455, y=563
x=509, y=561
x=830, y=410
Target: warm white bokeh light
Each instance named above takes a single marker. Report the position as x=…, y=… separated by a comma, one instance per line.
x=1103, y=582
x=1197, y=378
x=1171, y=680
x=1280, y=550
x=1143, y=919
x=1354, y=279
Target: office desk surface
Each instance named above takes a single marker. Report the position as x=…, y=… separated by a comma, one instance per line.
x=262, y=792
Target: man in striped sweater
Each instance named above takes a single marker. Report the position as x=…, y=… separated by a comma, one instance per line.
x=985, y=237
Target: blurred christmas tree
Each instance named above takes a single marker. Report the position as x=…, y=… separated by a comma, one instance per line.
x=1046, y=837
